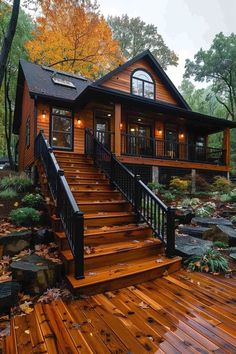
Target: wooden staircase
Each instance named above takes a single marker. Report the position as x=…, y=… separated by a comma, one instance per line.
x=119, y=250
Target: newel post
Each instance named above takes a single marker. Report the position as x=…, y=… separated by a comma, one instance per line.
x=227, y=146
x=170, y=232
x=78, y=243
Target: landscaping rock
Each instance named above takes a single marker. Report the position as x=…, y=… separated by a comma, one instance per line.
x=8, y=295
x=190, y=245
x=43, y=236
x=16, y=242
x=224, y=234
x=184, y=215
x=196, y=231
x=209, y=222
x=233, y=255
x=36, y=273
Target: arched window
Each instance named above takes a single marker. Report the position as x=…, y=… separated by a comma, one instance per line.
x=142, y=84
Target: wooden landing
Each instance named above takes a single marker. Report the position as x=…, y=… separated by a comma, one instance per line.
x=179, y=313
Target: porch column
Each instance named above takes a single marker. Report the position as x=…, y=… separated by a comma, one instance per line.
x=227, y=146
x=193, y=180
x=117, y=129
x=155, y=174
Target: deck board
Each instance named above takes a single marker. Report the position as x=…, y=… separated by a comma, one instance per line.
x=179, y=313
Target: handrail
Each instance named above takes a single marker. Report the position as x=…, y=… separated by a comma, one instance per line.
x=147, y=205
x=71, y=216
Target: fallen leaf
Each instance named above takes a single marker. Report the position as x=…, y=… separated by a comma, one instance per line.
x=143, y=305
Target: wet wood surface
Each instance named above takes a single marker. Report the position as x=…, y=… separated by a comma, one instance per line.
x=180, y=313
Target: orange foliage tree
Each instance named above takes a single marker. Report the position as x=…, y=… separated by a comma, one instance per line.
x=71, y=35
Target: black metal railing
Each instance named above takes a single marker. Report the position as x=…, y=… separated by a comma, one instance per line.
x=147, y=205
x=107, y=138
x=135, y=145
x=71, y=217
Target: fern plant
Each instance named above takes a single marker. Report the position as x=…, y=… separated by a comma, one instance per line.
x=210, y=261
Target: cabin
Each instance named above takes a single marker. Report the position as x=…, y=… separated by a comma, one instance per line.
x=97, y=145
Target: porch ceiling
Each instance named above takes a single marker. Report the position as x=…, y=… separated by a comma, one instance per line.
x=190, y=118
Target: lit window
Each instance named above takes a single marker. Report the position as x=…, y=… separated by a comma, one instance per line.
x=61, y=128
x=142, y=84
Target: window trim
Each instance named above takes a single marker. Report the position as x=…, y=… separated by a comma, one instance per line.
x=72, y=127
x=27, y=132
x=143, y=81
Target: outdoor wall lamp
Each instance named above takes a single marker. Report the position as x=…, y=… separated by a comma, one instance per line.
x=121, y=126
x=79, y=122
x=43, y=114
x=182, y=135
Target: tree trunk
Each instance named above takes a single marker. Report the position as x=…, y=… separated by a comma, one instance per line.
x=8, y=38
x=8, y=117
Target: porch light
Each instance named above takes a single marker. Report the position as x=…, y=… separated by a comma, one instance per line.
x=54, y=139
x=43, y=114
x=182, y=135
x=159, y=131
x=109, y=114
x=79, y=122
x=139, y=119
x=121, y=126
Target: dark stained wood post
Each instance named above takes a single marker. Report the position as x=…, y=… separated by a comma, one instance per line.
x=117, y=129
x=227, y=146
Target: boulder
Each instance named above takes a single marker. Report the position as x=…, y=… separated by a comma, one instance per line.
x=36, y=273
x=15, y=242
x=190, y=245
x=184, y=215
x=224, y=234
x=209, y=222
x=43, y=236
x=196, y=231
x=8, y=295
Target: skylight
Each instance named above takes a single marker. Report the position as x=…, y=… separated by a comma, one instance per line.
x=62, y=82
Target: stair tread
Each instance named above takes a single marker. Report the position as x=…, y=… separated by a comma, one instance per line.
x=104, y=202
x=117, y=247
x=119, y=270
x=106, y=230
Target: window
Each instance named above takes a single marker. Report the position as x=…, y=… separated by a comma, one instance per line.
x=61, y=128
x=27, y=132
x=62, y=82
x=142, y=84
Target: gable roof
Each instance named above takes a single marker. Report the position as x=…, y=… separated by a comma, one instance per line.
x=40, y=84
x=147, y=55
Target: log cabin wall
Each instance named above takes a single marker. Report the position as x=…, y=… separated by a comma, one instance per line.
x=26, y=153
x=122, y=80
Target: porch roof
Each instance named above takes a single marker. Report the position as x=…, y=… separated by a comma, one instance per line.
x=212, y=124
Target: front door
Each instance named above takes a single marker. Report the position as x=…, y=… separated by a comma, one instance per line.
x=102, y=127
x=171, y=143
x=139, y=139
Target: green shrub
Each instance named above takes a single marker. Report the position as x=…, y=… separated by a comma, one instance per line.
x=233, y=219
x=202, y=212
x=33, y=201
x=25, y=217
x=156, y=187
x=221, y=184
x=169, y=196
x=8, y=193
x=179, y=184
x=210, y=261
x=225, y=198
x=18, y=183
x=220, y=244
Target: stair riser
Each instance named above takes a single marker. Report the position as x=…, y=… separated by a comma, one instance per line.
x=84, y=175
x=75, y=160
x=95, y=196
x=116, y=258
x=96, y=240
x=93, y=208
x=76, y=165
x=109, y=285
x=95, y=187
x=109, y=221
x=77, y=170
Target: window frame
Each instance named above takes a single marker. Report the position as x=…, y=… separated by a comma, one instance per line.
x=143, y=81
x=71, y=148
x=27, y=132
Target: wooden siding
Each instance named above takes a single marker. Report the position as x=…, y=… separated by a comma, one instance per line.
x=26, y=154
x=121, y=82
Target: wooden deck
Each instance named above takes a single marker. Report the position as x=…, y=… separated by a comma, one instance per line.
x=179, y=313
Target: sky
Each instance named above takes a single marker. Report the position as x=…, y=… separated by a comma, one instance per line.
x=185, y=25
